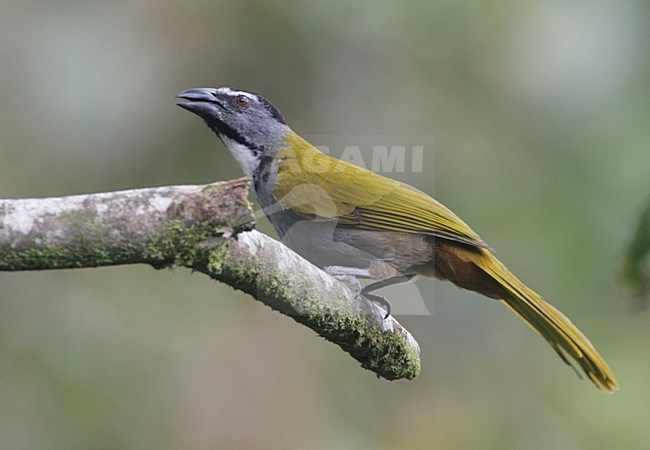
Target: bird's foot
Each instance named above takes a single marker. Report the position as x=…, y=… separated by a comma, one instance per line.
x=350, y=276
x=354, y=283
x=359, y=291
x=381, y=301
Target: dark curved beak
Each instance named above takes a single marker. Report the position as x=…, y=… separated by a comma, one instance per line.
x=200, y=101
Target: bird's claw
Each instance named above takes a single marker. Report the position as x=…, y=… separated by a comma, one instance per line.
x=382, y=301
x=360, y=291
x=352, y=281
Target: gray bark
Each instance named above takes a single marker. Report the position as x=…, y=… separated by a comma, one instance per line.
x=209, y=229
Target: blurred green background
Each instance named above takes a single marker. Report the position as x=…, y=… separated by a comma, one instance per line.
x=540, y=116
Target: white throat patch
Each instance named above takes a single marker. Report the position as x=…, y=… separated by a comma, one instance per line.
x=244, y=156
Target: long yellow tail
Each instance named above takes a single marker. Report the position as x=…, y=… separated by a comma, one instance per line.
x=554, y=326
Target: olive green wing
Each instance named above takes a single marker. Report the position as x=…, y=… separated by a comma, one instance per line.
x=324, y=188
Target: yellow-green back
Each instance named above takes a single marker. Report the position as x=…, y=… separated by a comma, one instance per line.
x=316, y=185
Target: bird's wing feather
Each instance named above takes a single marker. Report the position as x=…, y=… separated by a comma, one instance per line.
x=314, y=185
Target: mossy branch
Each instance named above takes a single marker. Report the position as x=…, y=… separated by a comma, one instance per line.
x=209, y=229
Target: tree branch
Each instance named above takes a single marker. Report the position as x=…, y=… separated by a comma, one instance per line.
x=209, y=229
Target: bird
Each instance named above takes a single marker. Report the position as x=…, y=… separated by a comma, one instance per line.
x=357, y=224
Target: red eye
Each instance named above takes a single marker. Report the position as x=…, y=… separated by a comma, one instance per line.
x=242, y=100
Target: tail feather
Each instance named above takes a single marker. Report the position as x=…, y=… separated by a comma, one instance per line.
x=555, y=327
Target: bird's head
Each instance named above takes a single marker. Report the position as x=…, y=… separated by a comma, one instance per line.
x=248, y=124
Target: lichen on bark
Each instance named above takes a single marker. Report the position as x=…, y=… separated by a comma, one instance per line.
x=207, y=229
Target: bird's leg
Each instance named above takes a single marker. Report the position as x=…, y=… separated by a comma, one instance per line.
x=352, y=274
x=366, y=292
x=337, y=271
x=387, y=282
x=349, y=275
x=352, y=281
x=381, y=301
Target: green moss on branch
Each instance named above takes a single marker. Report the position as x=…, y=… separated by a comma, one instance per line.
x=203, y=228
